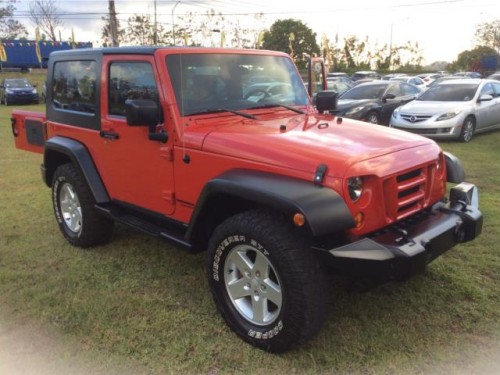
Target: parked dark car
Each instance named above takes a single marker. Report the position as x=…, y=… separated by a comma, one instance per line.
x=375, y=101
x=18, y=91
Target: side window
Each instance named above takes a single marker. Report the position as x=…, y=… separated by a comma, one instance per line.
x=409, y=90
x=394, y=90
x=130, y=80
x=74, y=86
x=488, y=90
x=496, y=87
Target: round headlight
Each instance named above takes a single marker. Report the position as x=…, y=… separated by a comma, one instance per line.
x=355, y=187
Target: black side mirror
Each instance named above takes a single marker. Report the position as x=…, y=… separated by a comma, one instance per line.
x=388, y=97
x=141, y=112
x=144, y=112
x=326, y=101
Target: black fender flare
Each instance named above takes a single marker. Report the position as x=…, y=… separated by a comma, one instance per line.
x=454, y=170
x=58, y=149
x=324, y=209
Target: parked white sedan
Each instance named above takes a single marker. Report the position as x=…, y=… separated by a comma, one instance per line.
x=455, y=109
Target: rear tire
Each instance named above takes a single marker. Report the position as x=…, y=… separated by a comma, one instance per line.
x=266, y=283
x=78, y=220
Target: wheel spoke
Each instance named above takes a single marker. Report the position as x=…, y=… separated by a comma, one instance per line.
x=65, y=203
x=78, y=217
x=252, y=285
x=238, y=288
x=259, y=309
x=261, y=265
x=273, y=292
x=71, y=209
x=241, y=261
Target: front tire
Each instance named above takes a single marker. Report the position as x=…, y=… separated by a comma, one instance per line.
x=267, y=285
x=373, y=118
x=468, y=129
x=73, y=203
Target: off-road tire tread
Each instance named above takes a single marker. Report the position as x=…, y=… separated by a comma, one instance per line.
x=305, y=281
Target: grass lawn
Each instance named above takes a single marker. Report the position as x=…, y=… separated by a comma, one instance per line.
x=144, y=300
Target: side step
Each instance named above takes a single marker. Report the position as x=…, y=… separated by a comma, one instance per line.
x=150, y=224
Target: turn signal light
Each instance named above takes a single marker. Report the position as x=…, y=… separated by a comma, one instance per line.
x=299, y=219
x=359, y=219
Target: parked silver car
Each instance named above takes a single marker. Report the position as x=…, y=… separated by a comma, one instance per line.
x=454, y=109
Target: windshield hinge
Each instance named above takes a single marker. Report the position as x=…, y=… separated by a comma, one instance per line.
x=320, y=173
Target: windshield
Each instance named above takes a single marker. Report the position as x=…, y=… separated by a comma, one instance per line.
x=365, y=92
x=450, y=93
x=205, y=83
x=17, y=83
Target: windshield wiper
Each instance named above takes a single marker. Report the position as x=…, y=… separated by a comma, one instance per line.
x=219, y=110
x=270, y=105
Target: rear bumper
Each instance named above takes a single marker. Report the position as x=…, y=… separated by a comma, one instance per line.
x=405, y=249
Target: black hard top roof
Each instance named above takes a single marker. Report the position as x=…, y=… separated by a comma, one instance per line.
x=109, y=51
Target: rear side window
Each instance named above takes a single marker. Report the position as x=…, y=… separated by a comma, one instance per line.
x=74, y=86
x=130, y=80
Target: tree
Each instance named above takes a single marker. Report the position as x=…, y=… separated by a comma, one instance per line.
x=214, y=30
x=471, y=60
x=9, y=27
x=488, y=35
x=293, y=37
x=111, y=32
x=45, y=15
x=139, y=30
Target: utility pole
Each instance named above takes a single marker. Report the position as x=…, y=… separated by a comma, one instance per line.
x=155, y=31
x=113, y=24
x=173, y=21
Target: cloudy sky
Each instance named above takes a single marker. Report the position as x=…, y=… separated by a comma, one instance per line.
x=442, y=28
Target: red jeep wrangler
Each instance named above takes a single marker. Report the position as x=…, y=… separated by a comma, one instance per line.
x=222, y=150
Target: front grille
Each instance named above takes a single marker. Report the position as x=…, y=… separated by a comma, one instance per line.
x=406, y=193
x=415, y=118
x=417, y=131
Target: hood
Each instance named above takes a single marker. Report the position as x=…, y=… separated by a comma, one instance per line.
x=302, y=142
x=423, y=107
x=20, y=89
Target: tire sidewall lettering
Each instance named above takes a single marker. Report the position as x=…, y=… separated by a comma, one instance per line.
x=266, y=335
x=55, y=198
x=235, y=239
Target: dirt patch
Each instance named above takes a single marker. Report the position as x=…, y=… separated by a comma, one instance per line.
x=29, y=348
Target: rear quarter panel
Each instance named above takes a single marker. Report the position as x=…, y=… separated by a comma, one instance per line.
x=29, y=130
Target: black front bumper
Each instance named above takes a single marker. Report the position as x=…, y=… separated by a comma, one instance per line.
x=403, y=250
x=22, y=98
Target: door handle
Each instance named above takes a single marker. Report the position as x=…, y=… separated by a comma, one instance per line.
x=109, y=135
